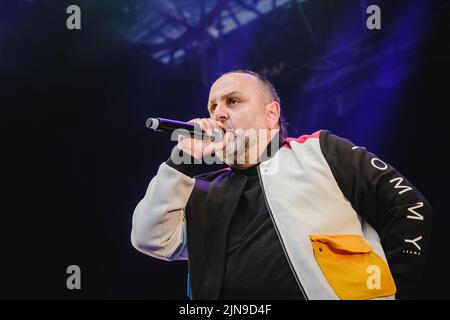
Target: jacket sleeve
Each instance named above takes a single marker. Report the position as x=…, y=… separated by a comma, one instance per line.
x=159, y=219
x=388, y=202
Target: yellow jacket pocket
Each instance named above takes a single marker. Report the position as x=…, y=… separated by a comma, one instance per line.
x=351, y=268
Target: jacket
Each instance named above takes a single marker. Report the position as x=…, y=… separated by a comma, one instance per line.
x=350, y=225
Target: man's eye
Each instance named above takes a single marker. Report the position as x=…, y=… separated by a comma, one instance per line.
x=233, y=101
x=212, y=107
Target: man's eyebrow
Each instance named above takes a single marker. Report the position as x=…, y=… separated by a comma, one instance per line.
x=226, y=95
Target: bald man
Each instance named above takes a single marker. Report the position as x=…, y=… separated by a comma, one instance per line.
x=313, y=217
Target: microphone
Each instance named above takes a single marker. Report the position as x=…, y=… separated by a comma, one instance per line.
x=184, y=128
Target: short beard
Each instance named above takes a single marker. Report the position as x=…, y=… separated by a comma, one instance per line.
x=236, y=153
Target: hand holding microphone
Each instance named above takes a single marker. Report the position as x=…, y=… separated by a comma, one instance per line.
x=198, y=129
x=202, y=148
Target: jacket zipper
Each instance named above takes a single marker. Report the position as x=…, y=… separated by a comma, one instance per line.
x=279, y=236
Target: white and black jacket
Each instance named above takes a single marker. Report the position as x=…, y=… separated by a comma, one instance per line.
x=349, y=223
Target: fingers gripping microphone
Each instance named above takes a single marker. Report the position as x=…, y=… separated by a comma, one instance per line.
x=183, y=128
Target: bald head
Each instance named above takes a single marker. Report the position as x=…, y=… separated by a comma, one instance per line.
x=267, y=87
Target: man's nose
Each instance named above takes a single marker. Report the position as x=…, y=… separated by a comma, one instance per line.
x=220, y=113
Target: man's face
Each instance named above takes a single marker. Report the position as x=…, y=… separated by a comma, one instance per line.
x=238, y=101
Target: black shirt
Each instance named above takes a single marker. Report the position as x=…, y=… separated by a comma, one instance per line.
x=256, y=266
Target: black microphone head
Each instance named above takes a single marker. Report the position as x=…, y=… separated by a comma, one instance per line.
x=152, y=123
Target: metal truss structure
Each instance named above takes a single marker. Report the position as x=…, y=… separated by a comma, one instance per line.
x=174, y=29
x=171, y=31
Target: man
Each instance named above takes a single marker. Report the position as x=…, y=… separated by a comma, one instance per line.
x=319, y=218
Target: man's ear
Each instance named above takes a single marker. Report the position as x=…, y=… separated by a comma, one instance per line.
x=273, y=110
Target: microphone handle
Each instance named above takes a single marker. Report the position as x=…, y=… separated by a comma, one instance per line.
x=168, y=126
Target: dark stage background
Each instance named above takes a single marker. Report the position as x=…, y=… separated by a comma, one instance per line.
x=76, y=156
